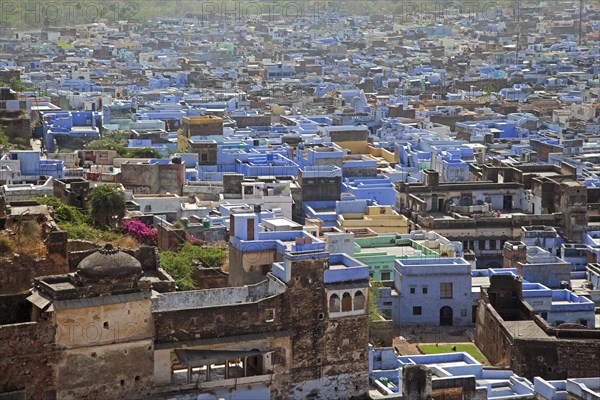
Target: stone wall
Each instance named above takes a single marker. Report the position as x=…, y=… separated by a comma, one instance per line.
x=27, y=359
x=117, y=371
x=490, y=336
x=324, y=353
x=169, y=238
x=246, y=121
x=17, y=273
x=556, y=359
x=383, y=331
x=560, y=354
x=209, y=278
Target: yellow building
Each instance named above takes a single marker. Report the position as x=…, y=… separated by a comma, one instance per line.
x=380, y=219
x=204, y=125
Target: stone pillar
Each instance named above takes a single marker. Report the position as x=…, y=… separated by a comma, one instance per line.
x=416, y=382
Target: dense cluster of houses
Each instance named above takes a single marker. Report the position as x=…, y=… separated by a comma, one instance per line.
x=454, y=158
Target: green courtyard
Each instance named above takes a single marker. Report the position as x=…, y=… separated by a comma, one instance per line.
x=469, y=348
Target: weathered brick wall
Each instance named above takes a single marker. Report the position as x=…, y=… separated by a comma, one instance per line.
x=490, y=337
x=27, y=358
x=246, y=121
x=17, y=273
x=381, y=331
x=359, y=172
x=325, y=353
x=119, y=371
x=209, y=278
x=327, y=347
x=548, y=357
x=169, y=239
x=556, y=359
x=206, y=323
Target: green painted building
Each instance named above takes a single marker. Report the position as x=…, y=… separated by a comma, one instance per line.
x=380, y=252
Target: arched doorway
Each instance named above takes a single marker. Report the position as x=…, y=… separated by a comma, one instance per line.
x=446, y=316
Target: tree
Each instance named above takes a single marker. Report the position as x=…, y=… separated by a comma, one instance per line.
x=106, y=205
x=103, y=144
x=15, y=85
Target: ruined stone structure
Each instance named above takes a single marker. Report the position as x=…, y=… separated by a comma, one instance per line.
x=509, y=334
x=112, y=328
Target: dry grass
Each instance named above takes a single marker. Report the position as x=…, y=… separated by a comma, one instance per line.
x=26, y=238
x=6, y=246
x=126, y=242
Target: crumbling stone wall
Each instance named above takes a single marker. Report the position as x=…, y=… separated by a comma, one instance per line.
x=491, y=337
x=556, y=359
x=205, y=323
x=169, y=238
x=209, y=278
x=27, y=358
x=118, y=371
x=383, y=331
x=324, y=353
x=561, y=354
x=17, y=273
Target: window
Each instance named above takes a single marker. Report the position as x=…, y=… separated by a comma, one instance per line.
x=359, y=300
x=492, y=245
x=482, y=245
x=417, y=310
x=413, y=290
x=425, y=290
x=346, y=302
x=385, y=276
x=270, y=315
x=334, y=303
x=446, y=290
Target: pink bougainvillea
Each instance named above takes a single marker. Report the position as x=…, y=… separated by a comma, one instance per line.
x=139, y=231
x=193, y=240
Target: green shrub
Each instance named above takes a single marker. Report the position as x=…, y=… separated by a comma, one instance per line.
x=373, y=295
x=62, y=212
x=180, y=264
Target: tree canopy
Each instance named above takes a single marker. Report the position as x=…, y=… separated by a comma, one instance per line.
x=106, y=205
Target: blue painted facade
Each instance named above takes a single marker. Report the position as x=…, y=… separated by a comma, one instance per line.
x=32, y=167
x=426, y=286
x=75, y=124
x=378, y=189
x=385, y=371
